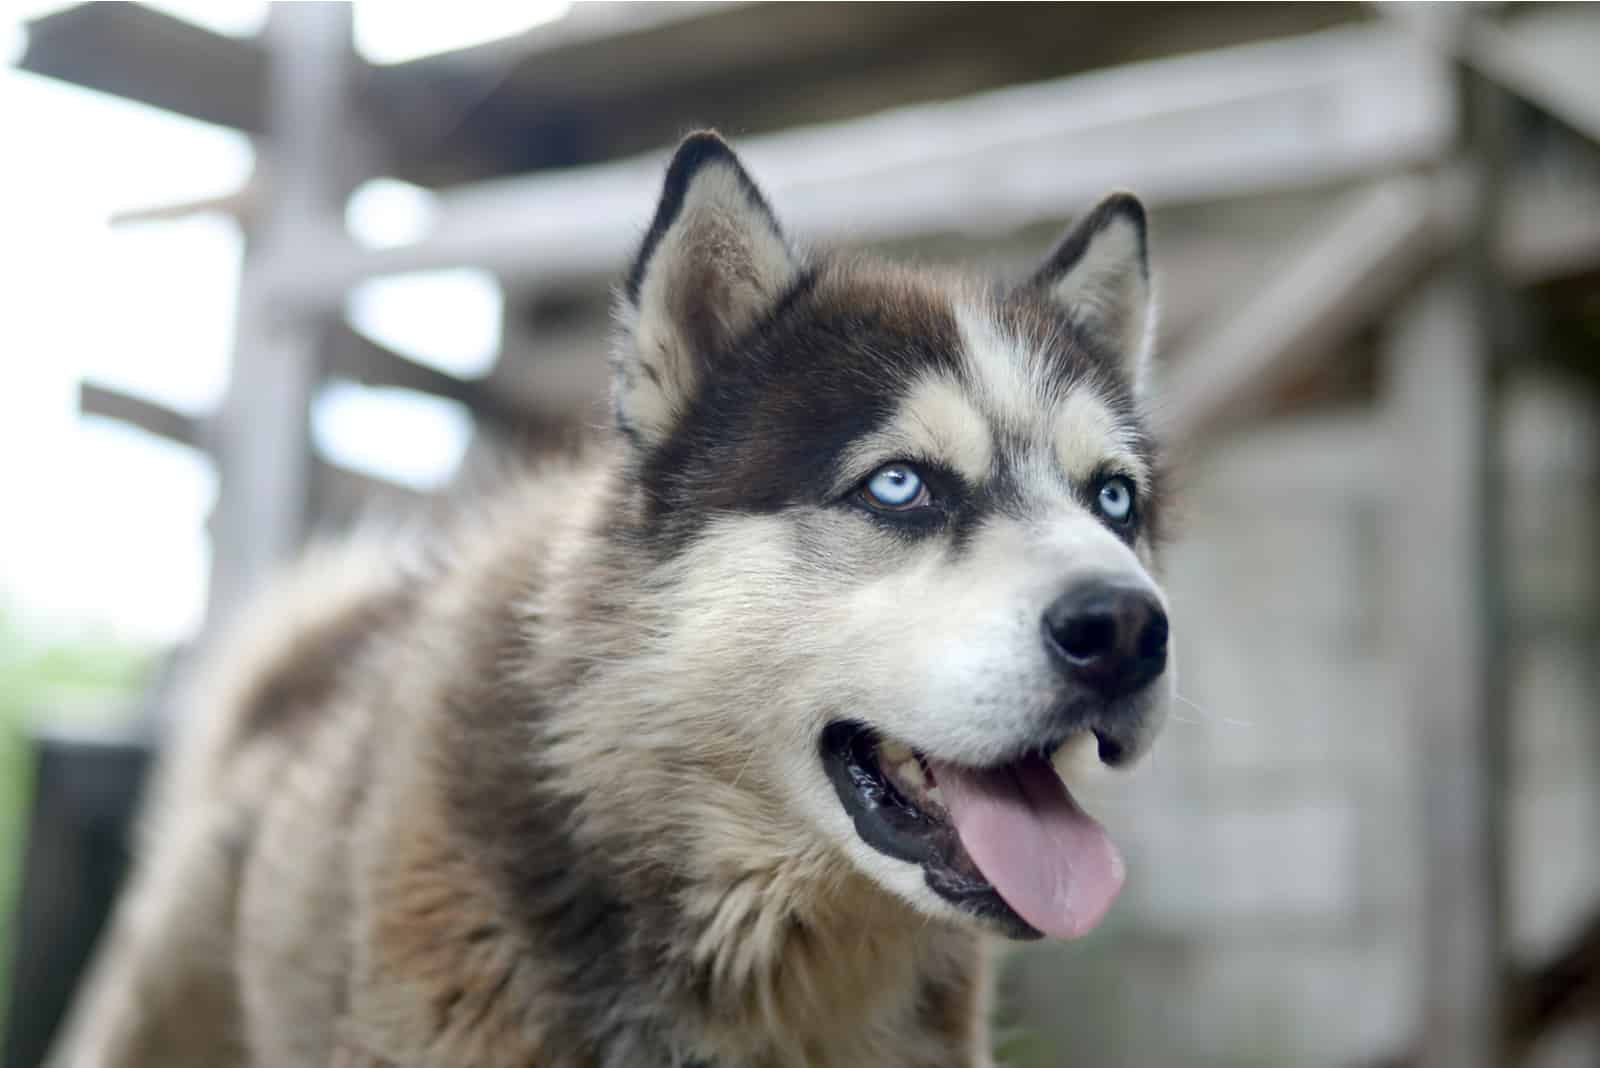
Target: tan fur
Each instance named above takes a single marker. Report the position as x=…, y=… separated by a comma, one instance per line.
x=162, y=990
x=306, y=899
x=935, y=419
x=1086, y=433
x=547, y=790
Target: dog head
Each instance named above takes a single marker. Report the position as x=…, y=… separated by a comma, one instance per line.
x=902, y=525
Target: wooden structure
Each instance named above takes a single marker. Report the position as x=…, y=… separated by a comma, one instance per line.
x=922, y=126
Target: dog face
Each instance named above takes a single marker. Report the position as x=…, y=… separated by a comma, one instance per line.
x=902, y=528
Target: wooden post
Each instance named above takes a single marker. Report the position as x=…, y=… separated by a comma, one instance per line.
x=1447, y=572
x=1438, y=395
x=313, y=155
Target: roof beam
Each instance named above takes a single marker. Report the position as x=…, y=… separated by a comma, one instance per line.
x=239, y=204
x=136, y=52
x=354, y=356
x=149, y=416
x=1347, y=273
x=1550, y=231
x=1545, y=56
x=1446, y=617
x=262, y=446
x=1335, y=105
x=1338, y=281
x=336, y=481
x=342, y=494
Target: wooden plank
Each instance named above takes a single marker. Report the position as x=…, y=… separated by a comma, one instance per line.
x=239, y=204
x=587, y=25
x=1438, y=403
x=1543, y=54
x=1549, y=230
x=1336, y=283
x=342, y=491
x=137, y=52
x=149, y=416
x=1347, y=274
x=341, y=497
x=1546, y=57
x=559, y=378
x=1448, y=574
x=610, y=81
x=1304, y=111
x=263, y=447
x=352, y=355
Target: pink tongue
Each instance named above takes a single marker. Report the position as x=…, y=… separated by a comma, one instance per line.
x=1048, y=859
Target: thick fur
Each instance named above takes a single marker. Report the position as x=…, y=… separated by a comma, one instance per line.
x=548, y=793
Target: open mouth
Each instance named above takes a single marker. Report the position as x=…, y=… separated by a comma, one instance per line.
x=1006, y=844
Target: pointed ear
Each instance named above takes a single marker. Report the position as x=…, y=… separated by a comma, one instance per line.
x=713, y=262
x=1100, y=273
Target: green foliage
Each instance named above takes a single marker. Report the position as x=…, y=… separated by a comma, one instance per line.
x=82, y=678
x=1017, y=1048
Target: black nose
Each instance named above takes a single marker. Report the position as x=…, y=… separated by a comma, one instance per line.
x=1111, y=638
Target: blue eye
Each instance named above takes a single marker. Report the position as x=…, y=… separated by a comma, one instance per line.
x=1115, y=499
x=895, y=488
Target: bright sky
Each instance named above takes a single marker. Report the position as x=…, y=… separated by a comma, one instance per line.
x=103, y=526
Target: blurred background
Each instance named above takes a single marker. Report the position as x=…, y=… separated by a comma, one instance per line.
x=263, y=272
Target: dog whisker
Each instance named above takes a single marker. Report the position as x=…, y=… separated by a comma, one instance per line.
x=1209, y=717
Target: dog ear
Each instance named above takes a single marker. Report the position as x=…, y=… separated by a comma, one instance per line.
x=713, y=262
x=1100, y=273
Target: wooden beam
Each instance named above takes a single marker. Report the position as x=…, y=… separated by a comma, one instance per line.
x=1349, y=272
x=1546, y=57
x=1447, y=572
x=556, y=382
x=345, y=354
x=345, y=491
x=1438, y=403
x=137, y=52
x=341, y=496
x=352, y=355
x=1305, y=111
x=1337, y=282
x=587, y=25
x=1549, y=230
x=263, y=446
x=611, y=81
x=149, y=416
x=239, y=204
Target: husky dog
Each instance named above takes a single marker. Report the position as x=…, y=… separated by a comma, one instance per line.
x=725, y=744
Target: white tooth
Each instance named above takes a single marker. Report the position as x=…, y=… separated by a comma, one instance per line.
x=911, y=772
x=894, y=753
x=935, y=796
x=1077, y=760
